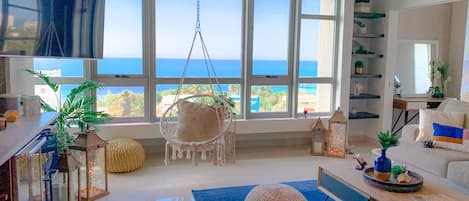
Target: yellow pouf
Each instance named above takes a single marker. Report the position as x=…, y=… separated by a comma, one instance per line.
x=274, y=192
x=124, y=155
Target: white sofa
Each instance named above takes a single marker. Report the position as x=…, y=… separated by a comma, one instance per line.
x=452, y=165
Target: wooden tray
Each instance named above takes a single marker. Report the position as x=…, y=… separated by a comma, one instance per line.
x=392, y=185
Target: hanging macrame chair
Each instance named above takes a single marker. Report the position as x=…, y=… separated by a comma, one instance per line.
x=195, y=125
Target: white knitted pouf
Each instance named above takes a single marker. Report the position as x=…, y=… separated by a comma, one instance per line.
x=274, y=192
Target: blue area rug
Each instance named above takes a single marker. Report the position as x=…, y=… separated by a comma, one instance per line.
x=308, y=188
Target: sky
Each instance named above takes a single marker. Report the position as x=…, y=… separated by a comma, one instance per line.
x=221, y=27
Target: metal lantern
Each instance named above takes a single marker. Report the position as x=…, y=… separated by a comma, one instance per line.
x=337, y=136
x=318, y=142
x=66, y=183
x=91, y=152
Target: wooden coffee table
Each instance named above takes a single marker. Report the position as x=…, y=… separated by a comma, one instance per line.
x=340, y=181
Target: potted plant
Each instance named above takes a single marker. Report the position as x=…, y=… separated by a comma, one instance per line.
x=362, y=6
x=359, y=67
x=439, y=77
x=360, y=27
x=76, y=109
x=382, y=168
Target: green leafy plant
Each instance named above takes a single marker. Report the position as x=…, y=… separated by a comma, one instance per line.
x=387, y=140
x=362, y=50
x=228, y=100
x=359, y=64
x=396, y=170
x=359, y=23
x=76, y=109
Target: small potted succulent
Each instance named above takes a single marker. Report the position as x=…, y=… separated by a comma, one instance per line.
x=360, y=27
x=382, y=169
x=362, y=6
x=359, y=67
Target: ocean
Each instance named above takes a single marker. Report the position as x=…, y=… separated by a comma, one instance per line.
x=166, y=67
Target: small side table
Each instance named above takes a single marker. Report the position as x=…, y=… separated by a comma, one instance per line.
x=411, y=104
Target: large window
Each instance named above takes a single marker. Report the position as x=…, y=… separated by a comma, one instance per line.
x=122, y=70
x=281, y=83
x=68, y=73
x=316, y=65
x=273, y=58
x=221, y=26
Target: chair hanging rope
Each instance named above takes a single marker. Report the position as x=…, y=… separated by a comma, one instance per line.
x=203, y=120
x=209, y=67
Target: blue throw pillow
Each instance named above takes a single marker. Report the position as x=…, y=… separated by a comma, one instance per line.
x=445, y=133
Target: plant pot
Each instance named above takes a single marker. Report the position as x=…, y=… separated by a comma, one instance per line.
x=362, y=30
x=363, y=7
x=359, y=70
x=382, y=169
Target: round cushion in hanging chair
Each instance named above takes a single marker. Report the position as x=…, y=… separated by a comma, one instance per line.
x=198, y=122
x=124, y=155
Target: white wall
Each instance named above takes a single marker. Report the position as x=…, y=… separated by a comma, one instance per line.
x=456, y=47
x=427, y=23
x=444, y=23
x=21, y=82
x=402, y=4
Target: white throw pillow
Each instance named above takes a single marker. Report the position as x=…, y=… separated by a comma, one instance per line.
x=197, y=122
x=427, y=117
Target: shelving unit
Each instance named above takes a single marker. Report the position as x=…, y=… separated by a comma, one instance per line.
x=366, y=75
x=364, y=96
x=363, y=115
x=367, y=56
x=368, y=35
x=365, y=105
x=370, y=15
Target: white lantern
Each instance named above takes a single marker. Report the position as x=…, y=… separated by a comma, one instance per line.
x=318, y=142
x=337, y=136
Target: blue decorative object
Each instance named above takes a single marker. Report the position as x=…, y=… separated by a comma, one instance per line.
x=309, y=189
x=428, y=144
x=382, y=166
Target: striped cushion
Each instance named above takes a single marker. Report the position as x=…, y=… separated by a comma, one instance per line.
x=445, y=133
x=442, y=141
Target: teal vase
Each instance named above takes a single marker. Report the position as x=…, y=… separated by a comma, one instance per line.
x=382, y=166
x=437, y=93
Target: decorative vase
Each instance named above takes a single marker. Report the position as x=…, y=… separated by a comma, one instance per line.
x=382, y=167
x=362, y=7
x=437, y=93
x=430, y=92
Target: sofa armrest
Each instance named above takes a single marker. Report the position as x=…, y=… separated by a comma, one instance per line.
x=410, y=132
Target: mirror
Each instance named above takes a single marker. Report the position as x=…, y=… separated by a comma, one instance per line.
x=413, y=58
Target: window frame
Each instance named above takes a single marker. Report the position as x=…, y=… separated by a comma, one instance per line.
x=134, y=80
x=155, y=80
x=317, y=80
x=67, y=80
x=149, y=80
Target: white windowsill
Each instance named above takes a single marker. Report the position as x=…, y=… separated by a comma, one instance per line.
x=151, y=130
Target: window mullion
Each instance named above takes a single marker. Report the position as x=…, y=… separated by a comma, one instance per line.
x=248, y=27
x=295, y=49
x=149, y=57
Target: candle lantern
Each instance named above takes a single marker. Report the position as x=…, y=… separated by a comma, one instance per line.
x=337, y=135
x=318, y=144
x=66, y=183
x=91, y=152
